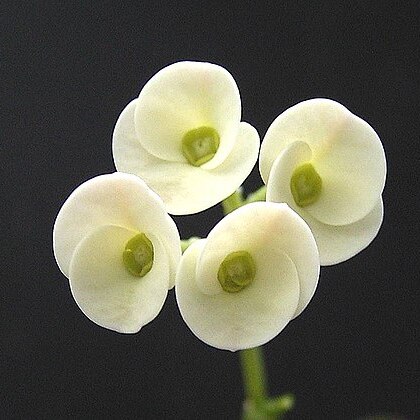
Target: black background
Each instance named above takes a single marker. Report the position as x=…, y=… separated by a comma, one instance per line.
x=67, y=70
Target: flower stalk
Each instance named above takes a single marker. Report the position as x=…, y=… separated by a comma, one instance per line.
x=257, y=404
x=253, y=374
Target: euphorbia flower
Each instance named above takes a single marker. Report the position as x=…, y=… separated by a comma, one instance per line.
x=183, y=136
x=119, y=248
x=257, y=270
x=329, y=166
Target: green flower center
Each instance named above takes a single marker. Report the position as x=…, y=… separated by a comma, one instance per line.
x=305, y=185
x=138, y=255
x=236, y=271
x=200, y=145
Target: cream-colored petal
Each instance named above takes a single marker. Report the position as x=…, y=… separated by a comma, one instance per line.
x=267, y=228
x=106, y=292
x=182, y=97
x=313, y=121
x=340, y=243
x=335, y=243
x=352, y=166
x=236, y=321
x=113, y=199
x=347, y=154
x=185, y=189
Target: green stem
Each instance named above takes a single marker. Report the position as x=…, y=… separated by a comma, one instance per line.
x=185, y=243
x=255, y=385
x=253, y=371
x=233, y=202
x=258, y=195
x=278, y=406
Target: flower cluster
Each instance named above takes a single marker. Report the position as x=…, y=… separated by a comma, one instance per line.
x=180, y=148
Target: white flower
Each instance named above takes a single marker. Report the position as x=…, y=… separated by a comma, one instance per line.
x=329, y=166
x=119, y=248
x=257, y=270
x=184, y=138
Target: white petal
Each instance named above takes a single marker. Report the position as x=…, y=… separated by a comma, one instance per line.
x=347, y=154
x=339, y=243
x=113, y=199
x=236, y=321
x=312, y=121
x=262, y=228
x=335, y=243
x=106, y=292
x=185, y=189
x=182, y=97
